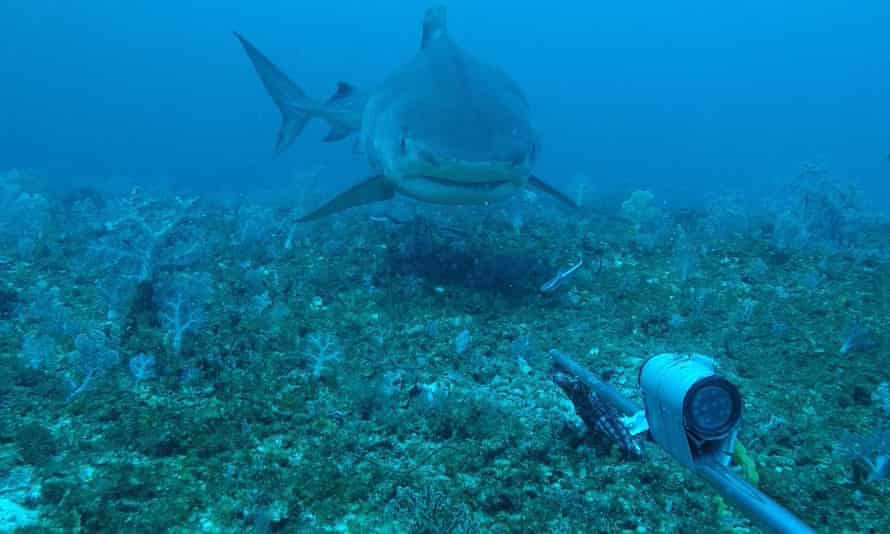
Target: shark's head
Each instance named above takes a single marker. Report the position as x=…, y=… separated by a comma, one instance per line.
x=449, y=128
x=456, y=157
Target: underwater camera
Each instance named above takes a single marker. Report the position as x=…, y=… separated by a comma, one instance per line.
x=692, y=411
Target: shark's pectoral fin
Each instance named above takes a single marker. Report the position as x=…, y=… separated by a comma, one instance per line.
x=371, y=190
x=536, y=182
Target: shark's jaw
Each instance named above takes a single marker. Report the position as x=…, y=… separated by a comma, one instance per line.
x=445, y=180
x=444, y=191
x=465, y=183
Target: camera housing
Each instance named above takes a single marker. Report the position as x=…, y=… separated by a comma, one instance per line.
x=692, y=411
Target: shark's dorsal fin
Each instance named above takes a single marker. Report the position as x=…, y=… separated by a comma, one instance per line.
x=344, y=90
x=434, y=25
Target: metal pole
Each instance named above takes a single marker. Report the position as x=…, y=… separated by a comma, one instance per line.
x=750, y=500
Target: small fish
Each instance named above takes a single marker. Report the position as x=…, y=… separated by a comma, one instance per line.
x=387, y=219
x=561, y=276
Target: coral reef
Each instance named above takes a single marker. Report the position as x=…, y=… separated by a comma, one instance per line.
x=181, y=365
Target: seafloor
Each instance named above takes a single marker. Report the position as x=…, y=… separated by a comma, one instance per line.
x=180, y=364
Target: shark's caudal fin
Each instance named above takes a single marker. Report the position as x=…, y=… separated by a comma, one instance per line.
x=536, y=182
x=371, y=190
x=296, y=108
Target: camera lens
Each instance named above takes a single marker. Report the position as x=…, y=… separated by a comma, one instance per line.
x=712, y=408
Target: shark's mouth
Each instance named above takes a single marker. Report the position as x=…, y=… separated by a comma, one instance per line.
x=454, y=190
x=471, y=186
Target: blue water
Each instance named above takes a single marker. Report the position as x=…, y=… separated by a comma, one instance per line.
x=673, y=97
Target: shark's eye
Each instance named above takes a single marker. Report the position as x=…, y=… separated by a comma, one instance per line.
x=403, y=146
x=533, y=153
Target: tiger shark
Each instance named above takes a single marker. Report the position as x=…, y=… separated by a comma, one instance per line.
x=446, y=128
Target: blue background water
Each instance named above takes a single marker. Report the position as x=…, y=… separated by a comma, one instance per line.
x=677, y=96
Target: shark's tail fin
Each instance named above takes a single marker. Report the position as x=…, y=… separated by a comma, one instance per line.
x=296, y=108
